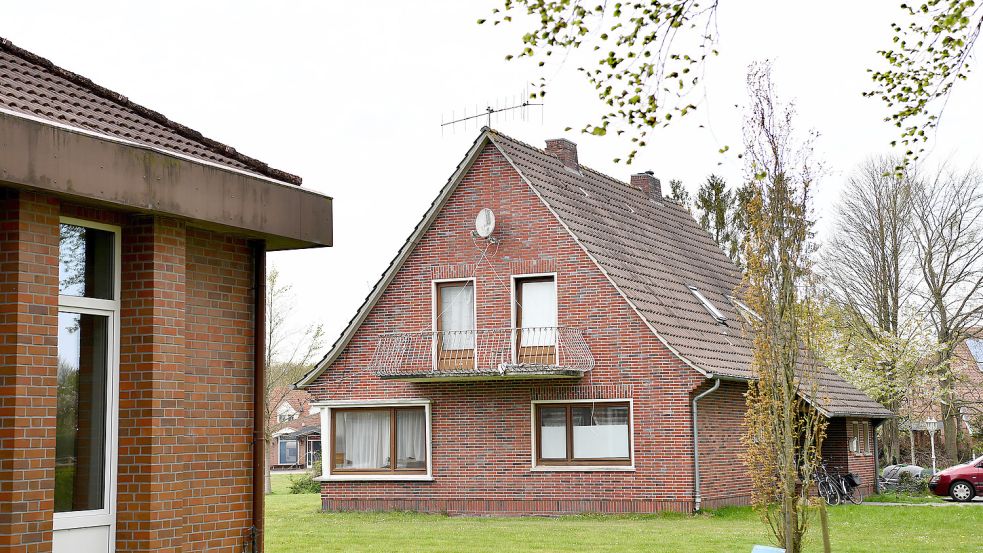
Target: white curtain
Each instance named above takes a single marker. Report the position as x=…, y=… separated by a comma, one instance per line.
x=457, y=316
x=363, y=439
x=600, y=432
x=411, y=438
x=553, y=433
x=538, y=313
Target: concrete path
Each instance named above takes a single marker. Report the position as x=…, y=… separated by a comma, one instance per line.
x=977, y=502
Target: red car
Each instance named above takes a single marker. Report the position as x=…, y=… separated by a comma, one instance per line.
x=961, y=482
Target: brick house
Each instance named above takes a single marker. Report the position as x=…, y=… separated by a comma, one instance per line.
x=295, y=426
x=557, y=364
x=132, y=282
x=925, y=404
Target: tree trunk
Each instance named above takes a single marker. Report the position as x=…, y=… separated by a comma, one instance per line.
x=268, y=482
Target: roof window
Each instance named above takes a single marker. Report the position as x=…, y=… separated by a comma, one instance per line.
x=712, y=309
x=746, y=311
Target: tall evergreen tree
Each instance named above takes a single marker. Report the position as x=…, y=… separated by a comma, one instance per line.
x=713, y=204
x=679, y=194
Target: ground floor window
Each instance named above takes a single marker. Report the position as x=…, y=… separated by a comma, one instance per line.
x=379, y=440
x=288, y=452
x=583, y=433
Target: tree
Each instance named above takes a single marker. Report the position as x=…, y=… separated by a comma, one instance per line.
x=784, y=433
x=870, y=268
x=947, y=229
x=714, y=204
x=289, y=351
x=650, y=58
x=679, y=194
x=930, y=55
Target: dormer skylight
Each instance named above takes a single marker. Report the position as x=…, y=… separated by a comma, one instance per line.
x=712, y=309
x=746, y=311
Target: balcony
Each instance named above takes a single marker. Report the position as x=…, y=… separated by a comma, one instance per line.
x=546, y=352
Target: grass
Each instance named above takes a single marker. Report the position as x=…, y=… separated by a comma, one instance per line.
x=294, y=524
x=889, y=497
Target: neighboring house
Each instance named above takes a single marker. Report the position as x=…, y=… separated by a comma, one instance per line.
x=132, y=274
x=295, y=426
x=967, y=373
x=557, y=365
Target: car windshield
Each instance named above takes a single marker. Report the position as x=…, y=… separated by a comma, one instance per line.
x=978, y=461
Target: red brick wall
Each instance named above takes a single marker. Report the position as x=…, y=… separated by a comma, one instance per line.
x=152, y=481
x=724, y=477
x=482, y=430
x=186, y=375
x=218, y=387
x=28, y=369
x=836, y=451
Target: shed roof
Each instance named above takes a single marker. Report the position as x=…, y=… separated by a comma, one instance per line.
x=35, y=86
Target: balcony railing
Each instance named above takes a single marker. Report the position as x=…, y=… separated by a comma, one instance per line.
x=541, y=351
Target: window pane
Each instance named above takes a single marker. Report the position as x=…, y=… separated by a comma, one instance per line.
x=600, y=432
x=288, y=452
x=362, y=439
x=538, y=312
x=85, y=262
x=80, y=442
x=456, y=316
x=411, y=439
x=553, y=432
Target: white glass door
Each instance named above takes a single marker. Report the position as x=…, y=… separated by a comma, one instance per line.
x=88, y=379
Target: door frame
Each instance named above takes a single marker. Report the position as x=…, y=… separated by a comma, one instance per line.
x=105, y=517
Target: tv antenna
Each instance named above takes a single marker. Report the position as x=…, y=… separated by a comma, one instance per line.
x=502, y=108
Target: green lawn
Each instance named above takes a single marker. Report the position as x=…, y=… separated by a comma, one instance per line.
x=295, y=525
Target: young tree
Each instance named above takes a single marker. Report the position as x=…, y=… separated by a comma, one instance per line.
x=289, y=351
x=869, y=270
x=784, y=433
x=679, y=194
x=714, y=204
x=947, y=228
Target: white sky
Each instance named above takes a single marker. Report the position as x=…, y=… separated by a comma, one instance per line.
x=351, y=98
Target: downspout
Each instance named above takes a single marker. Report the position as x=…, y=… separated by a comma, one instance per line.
x=877, y=459
x=259, y=394
x=697, y=496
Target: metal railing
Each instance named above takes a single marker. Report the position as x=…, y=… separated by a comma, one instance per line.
x=487, y=352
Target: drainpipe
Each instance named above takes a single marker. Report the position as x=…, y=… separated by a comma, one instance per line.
x=698, y=498
x=877, y=459
x=259, y=394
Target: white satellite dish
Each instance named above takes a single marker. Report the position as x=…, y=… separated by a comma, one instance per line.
x=484, y=223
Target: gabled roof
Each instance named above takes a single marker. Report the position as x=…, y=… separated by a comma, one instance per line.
x=34, y=86
x=651, y=251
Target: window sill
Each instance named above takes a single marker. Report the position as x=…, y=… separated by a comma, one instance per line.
x=585, y=468
x=375, y=477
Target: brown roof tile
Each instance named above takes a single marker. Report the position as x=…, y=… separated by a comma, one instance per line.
x=653, y=251
x=33, y=85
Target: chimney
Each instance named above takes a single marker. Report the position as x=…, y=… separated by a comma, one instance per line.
x=648, y=184
x=565, y=150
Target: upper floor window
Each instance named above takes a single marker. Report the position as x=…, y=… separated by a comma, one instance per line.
x=535, y=317
x=86, y=265
x=711, y=308
x=455, y=324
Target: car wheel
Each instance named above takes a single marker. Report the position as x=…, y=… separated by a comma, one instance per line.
x=961, y=491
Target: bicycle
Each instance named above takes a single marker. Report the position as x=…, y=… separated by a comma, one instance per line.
x=826, y=486
x=848, y=487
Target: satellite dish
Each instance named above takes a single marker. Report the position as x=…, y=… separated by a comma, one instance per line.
x=484, y=223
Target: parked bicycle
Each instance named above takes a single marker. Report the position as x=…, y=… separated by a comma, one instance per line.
x=848, y=487
x=827, y=485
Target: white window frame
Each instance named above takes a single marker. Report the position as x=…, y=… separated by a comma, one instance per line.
x=581, y=468
x=327, y=408
x=514, y=316
x=710, y=307
x=105, y=517
x=279, y=450
x=435, y=311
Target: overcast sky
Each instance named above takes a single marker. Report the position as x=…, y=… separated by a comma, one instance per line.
x=350, y=95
